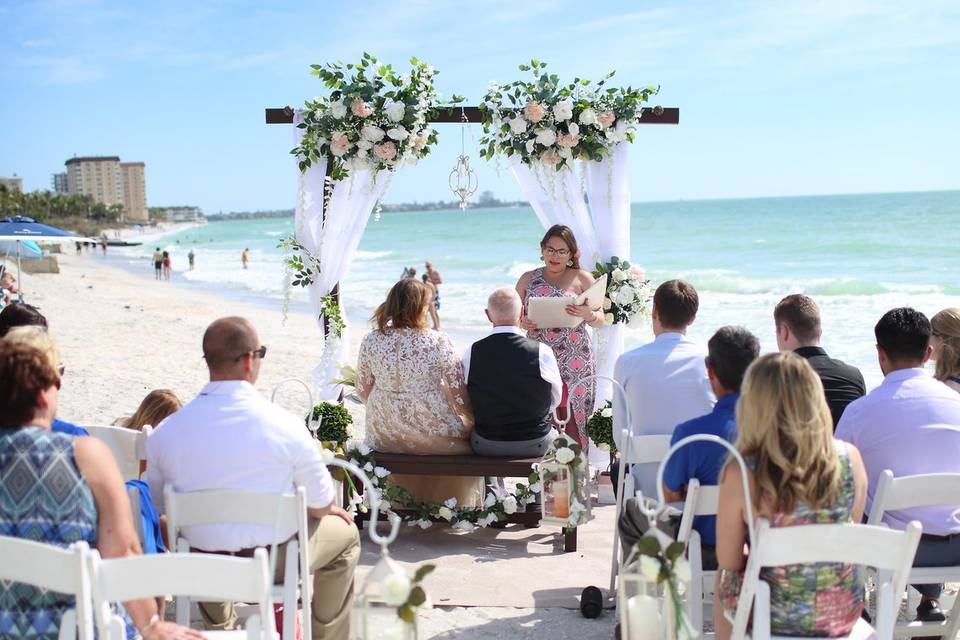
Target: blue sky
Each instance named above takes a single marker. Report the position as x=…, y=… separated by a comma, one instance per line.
x=776, y=98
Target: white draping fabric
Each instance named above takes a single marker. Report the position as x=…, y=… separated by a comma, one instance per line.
x=333, y=240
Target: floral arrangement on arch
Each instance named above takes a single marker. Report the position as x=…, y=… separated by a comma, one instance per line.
x=374, y=117
x=628, y=295
x=543, y=121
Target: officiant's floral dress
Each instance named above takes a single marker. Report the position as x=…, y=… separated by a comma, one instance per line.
x=411, y=381
x=574, y=351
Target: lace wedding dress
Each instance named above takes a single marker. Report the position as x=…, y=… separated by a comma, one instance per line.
x=411, y=381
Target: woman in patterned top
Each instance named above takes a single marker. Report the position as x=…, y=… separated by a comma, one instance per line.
x=562, y=276
x=798, y=475
x=58, y=489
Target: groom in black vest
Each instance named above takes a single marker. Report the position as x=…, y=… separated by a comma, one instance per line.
x=514, y=385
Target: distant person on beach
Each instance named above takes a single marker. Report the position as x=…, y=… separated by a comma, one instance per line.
x=945, y=344
x=514, y=384
x=433, y=276
x=158, y=263
x=409, y=272
x=166, y=265
x=103, y=244
x=79, y=248
x=432, y=306
x=561, y=276
x=190, y=259
x=797, y=320
x=245, y=257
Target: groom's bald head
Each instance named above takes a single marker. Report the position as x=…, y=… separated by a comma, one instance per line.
x=504, y=307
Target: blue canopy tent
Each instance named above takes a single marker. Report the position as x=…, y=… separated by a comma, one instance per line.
x=23, y=231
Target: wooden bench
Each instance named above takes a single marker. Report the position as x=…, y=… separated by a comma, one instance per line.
x=468, y=466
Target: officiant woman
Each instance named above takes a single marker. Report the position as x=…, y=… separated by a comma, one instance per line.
x=561, y=276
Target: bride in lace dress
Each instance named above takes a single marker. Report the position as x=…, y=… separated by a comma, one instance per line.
x=411, y=380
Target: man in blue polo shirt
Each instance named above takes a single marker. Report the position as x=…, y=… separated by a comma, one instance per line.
x=729, y=353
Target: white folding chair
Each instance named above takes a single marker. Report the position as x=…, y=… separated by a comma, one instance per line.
x=134, y=495
x=890, y=552
x=55, y=569
x=129, y=447
x=235, y=507
x=700, y=501
x=201, y=575
x=926, y=490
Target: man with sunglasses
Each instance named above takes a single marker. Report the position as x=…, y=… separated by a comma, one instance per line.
x=230, y=437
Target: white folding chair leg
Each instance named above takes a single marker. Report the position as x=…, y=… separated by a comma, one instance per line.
x=291, y=578
x=182, y=602
x=761, y=612
x=695, y=590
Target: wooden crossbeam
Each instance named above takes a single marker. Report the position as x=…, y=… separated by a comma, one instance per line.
x=650, y=115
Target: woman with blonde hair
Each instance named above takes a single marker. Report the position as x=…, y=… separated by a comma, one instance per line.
x=798, y=474
x=411, y=380
x=158, y=404
x=945, y=343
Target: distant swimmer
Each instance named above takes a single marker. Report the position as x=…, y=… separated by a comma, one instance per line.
x=190, y=258
x=245, y=258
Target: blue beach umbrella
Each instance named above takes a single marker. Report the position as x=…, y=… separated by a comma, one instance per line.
x=23, y=230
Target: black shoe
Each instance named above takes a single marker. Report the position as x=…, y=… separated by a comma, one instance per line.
x=930, y=611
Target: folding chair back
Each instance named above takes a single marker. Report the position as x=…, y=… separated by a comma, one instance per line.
x=129, y=447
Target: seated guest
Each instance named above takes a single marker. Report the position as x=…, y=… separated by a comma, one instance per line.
x=231, y=437
x=798, y=474
x=665, y=380
x=910, y=424
x=20, y=315
x=798, y=329
x=946, y=346
x=411, y=381
x=58, y=490
x=514, y=384
x=154, y=408
x=729, y=352
x=38, y=337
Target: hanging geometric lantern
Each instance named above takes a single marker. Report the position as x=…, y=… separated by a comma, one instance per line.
x=463, y=179
x=557, y=492
x=643, y=605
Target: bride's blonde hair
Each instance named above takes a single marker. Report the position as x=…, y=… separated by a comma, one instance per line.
x=404, y=308
x=784, y=425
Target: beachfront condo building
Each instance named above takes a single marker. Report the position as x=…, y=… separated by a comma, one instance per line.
x=110, y=182
x=59, y=182
x=13, y=183
x=134, y=191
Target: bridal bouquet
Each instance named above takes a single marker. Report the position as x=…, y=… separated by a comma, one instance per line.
x=374, y=117
x=545, y=122
x=628, y=295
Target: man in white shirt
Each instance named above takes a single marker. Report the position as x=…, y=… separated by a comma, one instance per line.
x=514, y=385
x=910, y=424
x=665, y=380
x=230, y=437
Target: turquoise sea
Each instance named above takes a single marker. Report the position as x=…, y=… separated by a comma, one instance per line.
x=857, y=255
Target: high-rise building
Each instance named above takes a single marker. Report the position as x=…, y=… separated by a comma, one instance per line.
x=134, y=192
x=13, y=183
x=96, y=176
x=59, y=182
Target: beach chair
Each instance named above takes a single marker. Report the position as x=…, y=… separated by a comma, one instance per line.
x=925, y=490
x=129, y=447
x=55, y=569
x=700, y=501
x=203, y=576
x=890, y=552
x=270, y=510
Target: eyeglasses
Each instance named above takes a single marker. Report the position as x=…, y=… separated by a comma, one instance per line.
x=560, y=253
x=260, y=352
x=61, y=369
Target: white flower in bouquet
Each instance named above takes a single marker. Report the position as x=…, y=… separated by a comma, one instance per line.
x=564, y=455
x=518, y=125
x=490, y=501
x=368, y=467
x=420, y=140
x=529, y=145
x=649, y=567
x=573, y=129
x=487, y=520
x=625, y=296
x=563, y=110
x=536, y=487
x=450, y=503
x=546, y=137
x=681, y=568
x=588, y=116
x=618, y=275
x=565, y=152
x=395, y=110
x=395, y=589
x=364, y=145
x=337, y=109
x=509, y=505
x=364, y=449
x=464, y=525
x=445, y=513
x=372, y=133
x=607, y=304
x=380, y=472
x=424, y=524
x=608, y=319
x=607, y=412
x=398, y=133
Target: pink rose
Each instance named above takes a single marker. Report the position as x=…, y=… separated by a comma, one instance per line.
x=568, y=140
x=534, y=111
x=360, y=108
x=606, y=119
x=386, y=151
x=638, y=272
x=550, y=157
x=339, y=143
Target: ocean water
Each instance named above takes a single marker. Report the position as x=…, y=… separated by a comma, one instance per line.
x=857, y=255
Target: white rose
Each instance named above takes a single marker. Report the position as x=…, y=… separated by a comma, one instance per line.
x=619, y=275
x=564, y=455
x=450, y=503
x=518, y=125
x=607, y=304
x=529, y=146
x=546, y=137
x=337, y=109
x=490, y=501
x=608, y=319
x=464, y=525
x=364, y=449
x=395, y=589
x=445, y=513
x=509, y=505
x=536, y=487
x=380, y=472
x=487, y=520
x=625, y=296
x=681, y=568
x=394, y=110
x=649, y=567
x=588, y=116
x=398, y=133
x=368, y=467
x=364, y=145
x=424, y=524
x=607, y=412
x=372, y=133
x=573, y=129
x=563, y=110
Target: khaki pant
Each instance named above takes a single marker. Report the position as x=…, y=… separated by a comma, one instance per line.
x=334, y=549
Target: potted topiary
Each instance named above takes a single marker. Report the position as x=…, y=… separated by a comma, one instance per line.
x=332, y=422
